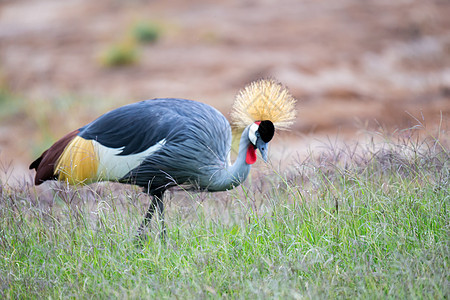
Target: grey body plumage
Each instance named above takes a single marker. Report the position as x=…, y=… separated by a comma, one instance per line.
x=197, y=142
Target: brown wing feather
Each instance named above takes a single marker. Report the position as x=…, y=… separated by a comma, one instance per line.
x=45, y=164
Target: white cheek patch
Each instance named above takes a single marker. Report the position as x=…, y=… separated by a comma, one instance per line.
x=252, y=133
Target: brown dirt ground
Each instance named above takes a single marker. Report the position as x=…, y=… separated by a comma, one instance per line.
x=352, y=64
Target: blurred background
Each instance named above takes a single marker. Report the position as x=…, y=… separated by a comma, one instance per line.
x=353, y=65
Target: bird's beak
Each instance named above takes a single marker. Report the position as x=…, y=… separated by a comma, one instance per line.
x=262, y=146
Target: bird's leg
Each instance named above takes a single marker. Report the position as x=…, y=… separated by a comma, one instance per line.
x=156, y=202
x=147, y=218
x=160, y=205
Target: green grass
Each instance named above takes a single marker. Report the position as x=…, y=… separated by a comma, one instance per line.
x=146, y=32
x=120, y=54
x=365, y=222
x=127, y=51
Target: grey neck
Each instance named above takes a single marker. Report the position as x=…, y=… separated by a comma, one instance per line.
x=232, y=176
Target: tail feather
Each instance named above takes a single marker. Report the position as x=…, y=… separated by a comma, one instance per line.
x=45, y=165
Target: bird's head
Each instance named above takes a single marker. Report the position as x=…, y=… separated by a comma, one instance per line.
x=259, y=133
x=256, y=104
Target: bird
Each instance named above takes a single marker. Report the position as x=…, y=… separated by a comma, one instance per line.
x=163, y=143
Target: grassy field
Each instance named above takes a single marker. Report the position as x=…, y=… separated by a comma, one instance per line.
x=369, y=221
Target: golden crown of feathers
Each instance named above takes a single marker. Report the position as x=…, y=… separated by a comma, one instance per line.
x=265, y=99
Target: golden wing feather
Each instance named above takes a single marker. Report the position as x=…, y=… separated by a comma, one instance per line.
x=264, y=99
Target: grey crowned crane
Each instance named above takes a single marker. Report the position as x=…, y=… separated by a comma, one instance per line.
x=161, y=143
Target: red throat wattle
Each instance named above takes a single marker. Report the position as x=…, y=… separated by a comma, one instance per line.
x=251, y=152
x=251, y=155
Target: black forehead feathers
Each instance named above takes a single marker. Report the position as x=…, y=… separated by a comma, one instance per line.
x=266, y=130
